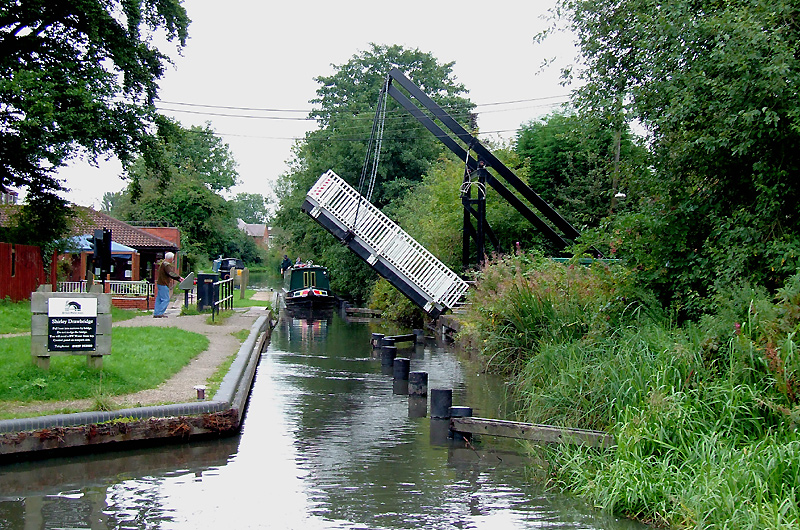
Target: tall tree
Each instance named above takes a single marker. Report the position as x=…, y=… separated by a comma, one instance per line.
x=715, y=85
x=78, y=76
x=570, y=161
x=185, y=192
x=251, y=207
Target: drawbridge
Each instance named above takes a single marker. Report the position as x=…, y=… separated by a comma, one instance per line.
x=394, y=254
x=386, y=247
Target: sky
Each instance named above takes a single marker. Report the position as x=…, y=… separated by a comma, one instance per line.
x=244, y=57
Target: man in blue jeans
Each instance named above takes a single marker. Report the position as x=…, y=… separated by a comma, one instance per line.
x=165, y=275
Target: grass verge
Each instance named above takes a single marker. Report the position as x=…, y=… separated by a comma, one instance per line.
x=141, y=358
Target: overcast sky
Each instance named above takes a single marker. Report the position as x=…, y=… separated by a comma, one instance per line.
x=250, y=55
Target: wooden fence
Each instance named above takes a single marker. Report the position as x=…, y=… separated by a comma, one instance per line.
x=21, y=271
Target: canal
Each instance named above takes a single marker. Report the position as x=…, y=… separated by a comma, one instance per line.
x=327, y=443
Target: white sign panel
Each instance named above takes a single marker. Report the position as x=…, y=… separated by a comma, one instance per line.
x=72, y=307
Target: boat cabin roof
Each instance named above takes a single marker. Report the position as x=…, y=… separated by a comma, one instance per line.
x=299, y=277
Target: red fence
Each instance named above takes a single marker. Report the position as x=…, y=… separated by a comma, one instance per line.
x=21, y=271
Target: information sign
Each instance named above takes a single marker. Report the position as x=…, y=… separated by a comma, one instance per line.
x=72, y=324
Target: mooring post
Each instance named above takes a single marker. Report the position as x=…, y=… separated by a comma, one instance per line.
x=377, y=340
x=460, y=412
x=417, y=406
x=418, y=384
x=441, y=401
x=388, y=354
x=400, y=375
x=402, y=368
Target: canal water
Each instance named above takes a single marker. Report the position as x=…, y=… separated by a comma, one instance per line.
x=328, y=442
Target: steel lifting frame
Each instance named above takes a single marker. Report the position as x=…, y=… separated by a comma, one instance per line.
x=485, y=159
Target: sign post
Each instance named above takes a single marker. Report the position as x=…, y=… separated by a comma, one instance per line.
x=70, y=324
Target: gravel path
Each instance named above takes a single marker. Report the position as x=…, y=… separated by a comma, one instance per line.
x=179, y=388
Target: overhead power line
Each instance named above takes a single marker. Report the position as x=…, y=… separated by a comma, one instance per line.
x=308, y=111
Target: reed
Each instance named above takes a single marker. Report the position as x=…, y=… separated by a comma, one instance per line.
x=705, y=415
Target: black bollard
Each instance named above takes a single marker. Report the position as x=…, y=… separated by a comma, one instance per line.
x=418, y=384
x=387, y=341
x=402, y=366
x=461, y=412
x=441, y=401
x=417, y=406
x=377, y=340
x=400, y=387
x=388, y=354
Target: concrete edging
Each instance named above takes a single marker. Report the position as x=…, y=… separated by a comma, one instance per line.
x=221, y=414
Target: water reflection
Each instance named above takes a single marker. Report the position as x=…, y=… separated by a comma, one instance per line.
x=326, y=444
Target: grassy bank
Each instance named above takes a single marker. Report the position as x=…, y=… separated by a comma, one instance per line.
x=141, y=358
x=705, y=415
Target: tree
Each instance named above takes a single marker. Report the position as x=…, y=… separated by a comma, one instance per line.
x=78, y=77
x=251, y=207
x=570, y=162
x=346, y=104
x=185, y=192
x=715, y=85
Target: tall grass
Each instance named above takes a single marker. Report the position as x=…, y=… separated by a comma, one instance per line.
x=705, y=416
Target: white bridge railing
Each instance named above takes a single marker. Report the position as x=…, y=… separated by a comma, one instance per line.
x=386, y=241
x=115, y=287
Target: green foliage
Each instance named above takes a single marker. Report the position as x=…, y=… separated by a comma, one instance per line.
x=705, y=416
x=523, y=302
x=395, y=306
x=251, y=207
x=78, y=78
x=140, y=358
x=570, y=163
x=184, y=192
x=713, y=84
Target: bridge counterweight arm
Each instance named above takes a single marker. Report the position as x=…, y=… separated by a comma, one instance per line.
x=484, y=154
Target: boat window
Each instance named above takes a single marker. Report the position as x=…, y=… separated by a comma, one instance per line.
x=309, y=279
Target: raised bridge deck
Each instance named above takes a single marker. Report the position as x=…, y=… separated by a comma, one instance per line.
x=386, y=247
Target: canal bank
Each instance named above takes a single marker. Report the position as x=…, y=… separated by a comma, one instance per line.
x=146, y=419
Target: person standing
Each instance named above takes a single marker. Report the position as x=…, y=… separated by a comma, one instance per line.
x=165, y=275
x=285, y=264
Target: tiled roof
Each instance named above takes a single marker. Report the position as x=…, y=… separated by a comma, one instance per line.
x=86, y=220
x=251, y=229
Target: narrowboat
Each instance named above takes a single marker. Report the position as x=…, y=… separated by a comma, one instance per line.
x=307, y=287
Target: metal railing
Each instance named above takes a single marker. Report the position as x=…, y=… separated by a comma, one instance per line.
x=71, y=287
x=224, y=290
x=386, y=240
x=115, y=287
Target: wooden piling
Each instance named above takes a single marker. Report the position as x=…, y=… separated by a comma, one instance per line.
x=531, y=431
x=441, y=401
x=418, y=384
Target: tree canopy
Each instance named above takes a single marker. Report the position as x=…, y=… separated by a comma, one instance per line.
x=714, y=85
x=185, y=192
x=78, y=77
x=571, y=162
